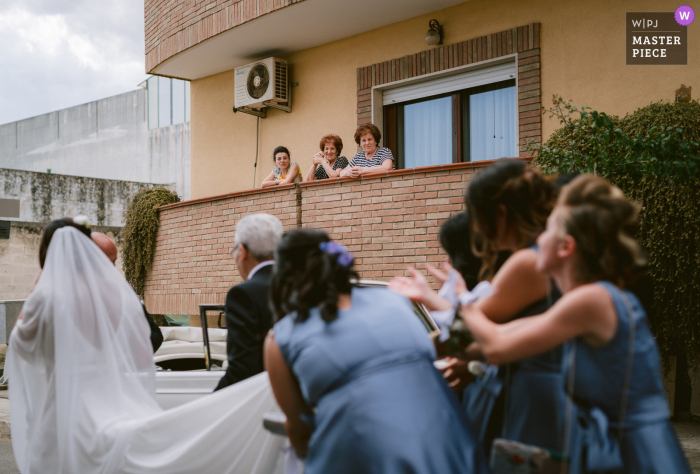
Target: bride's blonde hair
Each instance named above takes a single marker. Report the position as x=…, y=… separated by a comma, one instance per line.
x=603, y=222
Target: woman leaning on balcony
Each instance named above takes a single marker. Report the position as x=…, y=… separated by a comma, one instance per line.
x=286, y=172
x=373, y=158
x=328, y=163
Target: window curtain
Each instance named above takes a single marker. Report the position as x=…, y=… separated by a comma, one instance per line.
x=492, y=122
x=428, y=133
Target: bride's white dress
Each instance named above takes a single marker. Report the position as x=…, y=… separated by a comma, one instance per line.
x=82, y=385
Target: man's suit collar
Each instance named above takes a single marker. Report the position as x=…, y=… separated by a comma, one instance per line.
x=264, y=268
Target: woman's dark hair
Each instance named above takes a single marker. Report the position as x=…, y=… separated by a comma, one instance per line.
x=368, y=128
x=527, y=196
x=49, y=230
x=455, y=238
x=305, y=276
x=280, y=149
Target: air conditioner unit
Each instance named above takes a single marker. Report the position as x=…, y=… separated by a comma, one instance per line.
x=261, y=84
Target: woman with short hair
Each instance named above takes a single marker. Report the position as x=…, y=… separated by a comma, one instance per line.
x=611, y=362
x=352, y=369
x=286, y=172
x=328, y=163
x=373, y=158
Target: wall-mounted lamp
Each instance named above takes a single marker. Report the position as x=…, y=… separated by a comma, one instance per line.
x=434, y=34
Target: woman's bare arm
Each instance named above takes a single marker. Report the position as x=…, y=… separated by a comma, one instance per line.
x=350, y=172
x=587, y=312
x=291, y=174
x=288, y=395
x=387, y=165
x=329, y=170
x=311, y=174
x=516, y=286
x=269, y=180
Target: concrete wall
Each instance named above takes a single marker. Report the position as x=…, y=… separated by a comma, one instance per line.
x=9, y=312
x=582, y=59
x=107, y=138
x=44, y=197
x=19, y=257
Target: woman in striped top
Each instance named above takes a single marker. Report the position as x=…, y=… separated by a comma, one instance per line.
x=372, y=158
x=328, y=163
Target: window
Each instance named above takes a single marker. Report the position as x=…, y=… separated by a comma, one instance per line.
x=458, y=116
x=168, y=101
x=478, y=123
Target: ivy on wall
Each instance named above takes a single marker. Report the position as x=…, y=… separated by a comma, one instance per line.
x=653, y=155
x=140, y=233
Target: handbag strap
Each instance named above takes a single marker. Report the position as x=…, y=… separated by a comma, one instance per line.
x=569, y=405
x=630, y=361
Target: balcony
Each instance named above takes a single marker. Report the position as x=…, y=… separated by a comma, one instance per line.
x=190, y=40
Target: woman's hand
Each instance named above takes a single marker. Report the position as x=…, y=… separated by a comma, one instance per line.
x=416, y=288
x=439, y=275
x=456, y=374
x=319, y=158
x=299, y=435
x=351, y=172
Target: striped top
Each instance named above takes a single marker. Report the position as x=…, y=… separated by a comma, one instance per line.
x=379, y=157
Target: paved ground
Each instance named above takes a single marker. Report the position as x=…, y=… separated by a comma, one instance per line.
x=7, y=459
x=688, y=433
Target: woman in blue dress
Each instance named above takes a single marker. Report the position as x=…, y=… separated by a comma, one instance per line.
x=352, y=370
x=611, y=363
x=509, y=203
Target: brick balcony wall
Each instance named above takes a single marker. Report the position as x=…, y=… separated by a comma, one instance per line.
x=172, y=26
x=389, y=220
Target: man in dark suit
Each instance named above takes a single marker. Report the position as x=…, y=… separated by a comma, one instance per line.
x=248, y=314
x=107, y=246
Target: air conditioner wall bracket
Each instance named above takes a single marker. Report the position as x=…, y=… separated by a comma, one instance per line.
x=261, y=113
x=247, y=110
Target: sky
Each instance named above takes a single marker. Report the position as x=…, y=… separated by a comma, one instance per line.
x=56, y=54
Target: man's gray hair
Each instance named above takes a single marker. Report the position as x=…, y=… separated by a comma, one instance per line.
x=260, y=233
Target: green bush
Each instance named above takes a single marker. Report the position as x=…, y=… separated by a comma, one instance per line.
x=652, y=155
x=140, y=233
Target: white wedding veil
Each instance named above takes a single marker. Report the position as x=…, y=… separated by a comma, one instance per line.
x=82, y=384
x=79, y=361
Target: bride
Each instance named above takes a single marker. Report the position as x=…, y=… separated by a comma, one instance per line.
x=82, y=382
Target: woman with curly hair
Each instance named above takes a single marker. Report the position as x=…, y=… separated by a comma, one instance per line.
x=372, y=158
x=508, y=204
x=352, y=370
x=328, y=163
x=611, y=361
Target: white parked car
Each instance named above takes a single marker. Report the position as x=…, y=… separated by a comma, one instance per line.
x=194, y=364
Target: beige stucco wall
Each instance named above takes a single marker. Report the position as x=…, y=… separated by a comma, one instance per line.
x=583, y=59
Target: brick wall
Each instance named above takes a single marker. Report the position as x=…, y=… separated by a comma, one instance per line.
x=191, y=264
x=172, y=26
x=388, y=220
x=523, y=41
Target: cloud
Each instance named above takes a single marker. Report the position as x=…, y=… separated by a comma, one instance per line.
x=59, y=53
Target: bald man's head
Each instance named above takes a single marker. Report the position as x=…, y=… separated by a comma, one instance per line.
x=105, y=244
